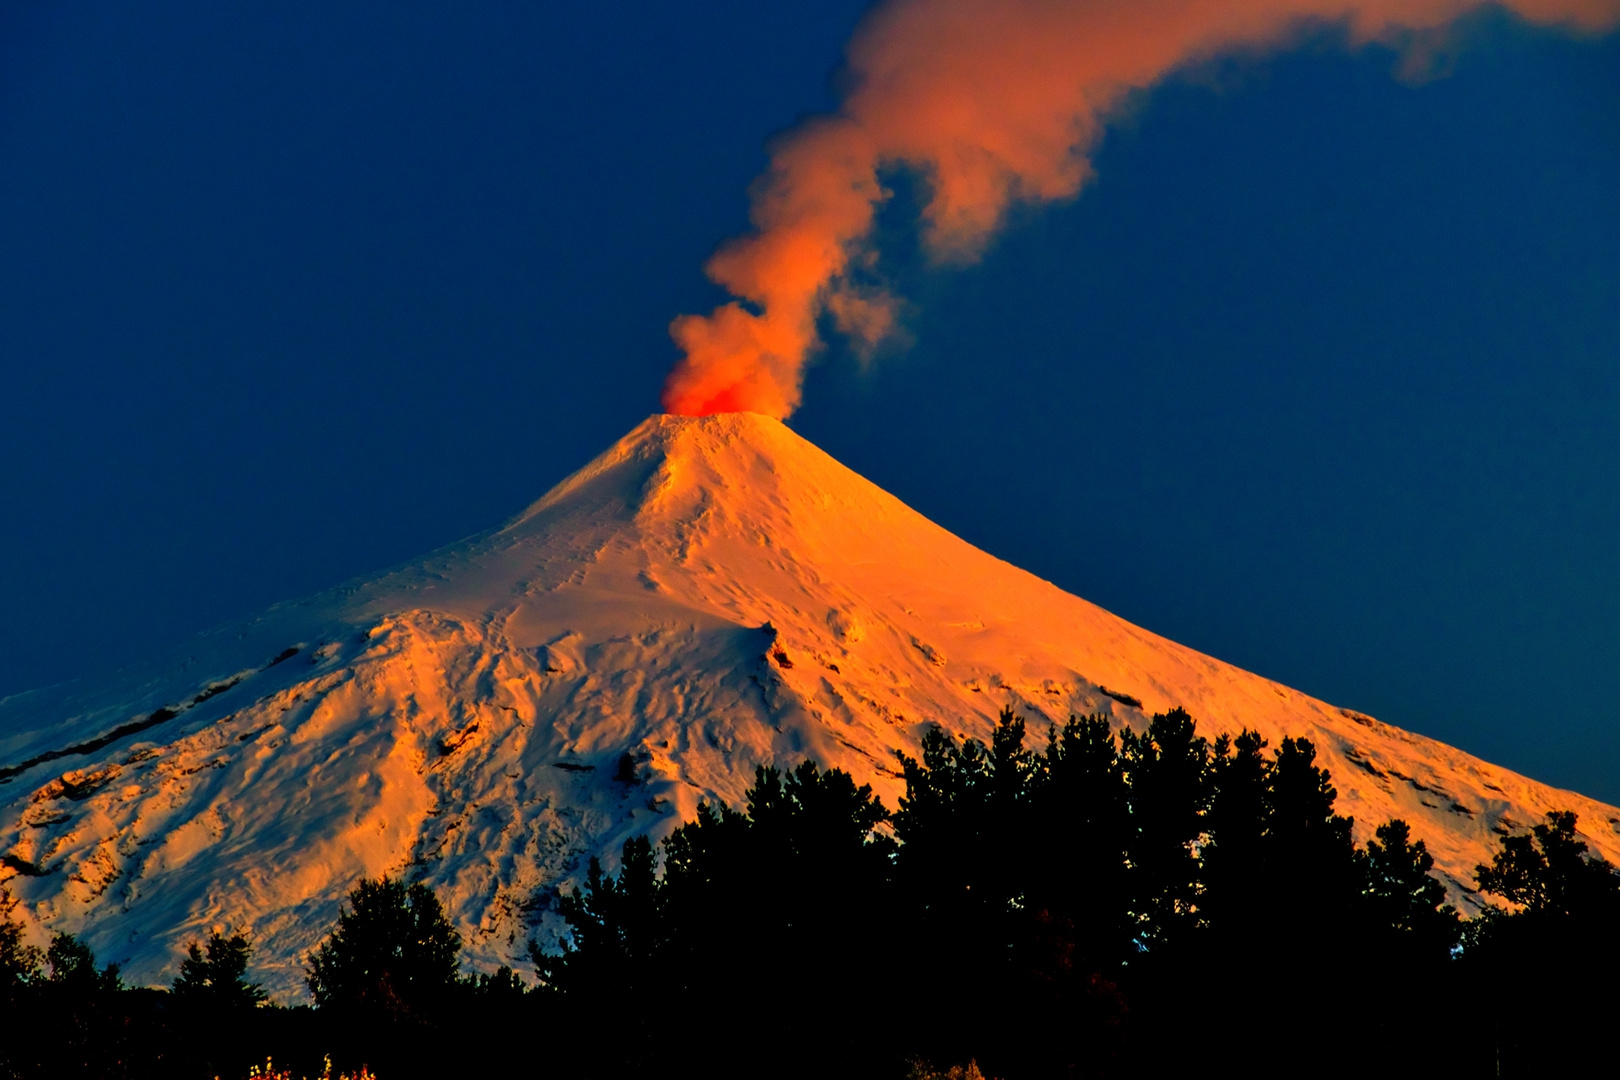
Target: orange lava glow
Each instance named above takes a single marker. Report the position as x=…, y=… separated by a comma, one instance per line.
x=992, y=102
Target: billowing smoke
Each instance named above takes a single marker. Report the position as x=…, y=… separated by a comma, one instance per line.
x=989, y=102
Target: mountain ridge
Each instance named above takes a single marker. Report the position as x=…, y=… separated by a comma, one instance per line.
x=707, y=595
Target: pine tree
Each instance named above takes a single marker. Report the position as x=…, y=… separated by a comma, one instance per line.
x=1402, y=898
x=1311, y=849
x=783, y=898
x=1079, y=834
x=1563, y=939
x=393, y=953
x=73, y=967
x=1171, y=788
x=1549, y=873
x=1235, y=863
x=220, y=977
x=956, y=852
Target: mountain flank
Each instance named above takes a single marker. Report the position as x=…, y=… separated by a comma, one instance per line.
x=709, y=595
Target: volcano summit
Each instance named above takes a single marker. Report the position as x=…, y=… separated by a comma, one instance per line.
x=708, y=595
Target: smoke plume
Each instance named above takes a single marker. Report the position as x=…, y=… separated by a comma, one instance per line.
x=990, y=102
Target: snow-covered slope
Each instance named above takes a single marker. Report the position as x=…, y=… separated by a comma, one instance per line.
x=708, y=595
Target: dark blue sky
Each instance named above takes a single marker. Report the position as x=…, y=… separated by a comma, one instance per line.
x=1321, y=376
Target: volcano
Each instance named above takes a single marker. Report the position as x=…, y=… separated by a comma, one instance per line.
x=709, y=595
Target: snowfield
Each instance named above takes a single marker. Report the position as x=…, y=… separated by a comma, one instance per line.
x=709, y=595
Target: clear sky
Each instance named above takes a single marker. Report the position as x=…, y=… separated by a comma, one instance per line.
x=1321, y=375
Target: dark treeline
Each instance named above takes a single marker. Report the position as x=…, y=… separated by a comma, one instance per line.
x=387, y=984
x=1151, y=904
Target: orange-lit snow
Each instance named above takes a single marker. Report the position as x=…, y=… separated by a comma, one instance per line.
x=708, y=595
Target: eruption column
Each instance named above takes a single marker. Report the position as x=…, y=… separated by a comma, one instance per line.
x=990, y=102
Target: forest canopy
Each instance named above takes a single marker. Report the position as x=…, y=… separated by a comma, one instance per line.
x=1132, y=904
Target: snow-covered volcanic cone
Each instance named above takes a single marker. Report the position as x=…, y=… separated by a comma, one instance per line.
x=708, y=595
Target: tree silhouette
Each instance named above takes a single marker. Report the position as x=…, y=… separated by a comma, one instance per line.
x=1127, y=905
x=505, y=985
x=960, y=874
x=1236, y=865
x=616, y=929
x=1549, y=873
x=1562, y=938
x=943, y=819
x=1078, y=835
x=1015, y=890
x=1303, y=828
x=21, y=964
x=1171, y=789
x=73, y=967
x=1403, y=898
x=393, y=953
x=783, y=898
x=802, y=868
x=220, y=977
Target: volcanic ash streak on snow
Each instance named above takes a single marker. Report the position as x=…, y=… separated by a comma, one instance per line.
x=991, y=102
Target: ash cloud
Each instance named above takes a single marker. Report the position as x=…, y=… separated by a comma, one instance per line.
x=991, y=102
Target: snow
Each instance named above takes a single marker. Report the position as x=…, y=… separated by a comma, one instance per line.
x=708, y=595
